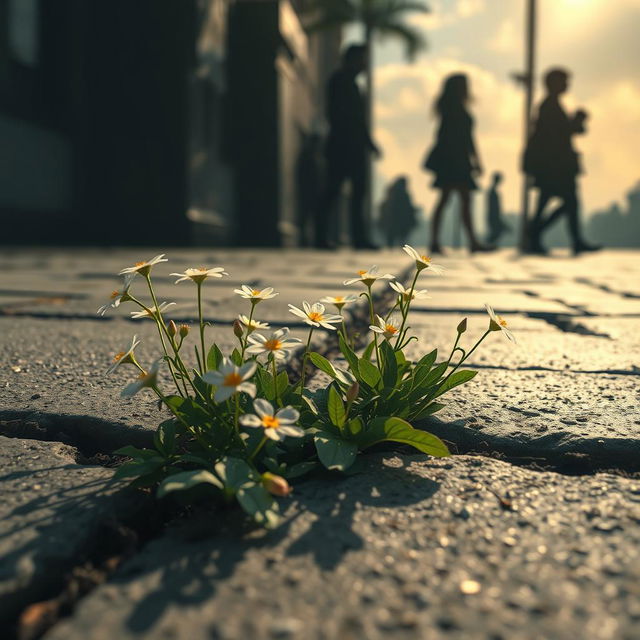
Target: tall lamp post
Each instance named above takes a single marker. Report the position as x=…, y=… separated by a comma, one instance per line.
x=528, y=79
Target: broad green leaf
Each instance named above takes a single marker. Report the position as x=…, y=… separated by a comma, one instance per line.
x=368, y=352
x=300, y=469
x=189, y=410
x=455, y=379
x=349, y=355
x=138, y=468
x=355, y=426
x=235, y=473
x=282, y=383
x=310, y=403
x=344, y=376
x=165, y=437
x=134, y=452
x=428, y=359
x=430, y=377
x=266, y=384
x=187, y=479
x=430, y=409
x=335, y=407
x=390, y=369
x=259, y=504
x=334, y=452
x=398, y=430
x=322, y=363
x=236, y=357
x=369, y=373
x=214, y=358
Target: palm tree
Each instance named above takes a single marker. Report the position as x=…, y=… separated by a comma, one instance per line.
x=379, y=19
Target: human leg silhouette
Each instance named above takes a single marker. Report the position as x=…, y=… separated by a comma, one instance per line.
x=436, y=219
x=325, y=218
x=467, y=221
x=357, y=225
x=537, y=223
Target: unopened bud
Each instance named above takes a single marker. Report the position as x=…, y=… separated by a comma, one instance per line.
x=276, y=485
x=172, y=329
x=238, y=332
x=352, y=392
x=183, y=330
x=462, y=327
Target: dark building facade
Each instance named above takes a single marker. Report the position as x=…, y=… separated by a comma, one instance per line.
x=149, y=122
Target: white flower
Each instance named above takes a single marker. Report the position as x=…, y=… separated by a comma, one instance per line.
x=278, y=344
x=339, y=301
x=369, y=277
x=417, y=294
x=144, y=267
x=388, y=328
x=124, y=356
x=255, y=295
x=497, y=323
x=200, y=275
x=276, y=425
x=252, y=325
x=314, y=315
x=145, y=380
x=230, y=379
x=422, y=261
x=152, y=311
x=118, y=296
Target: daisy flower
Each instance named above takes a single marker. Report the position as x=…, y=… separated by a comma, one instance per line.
x=152, y=311
x=422, y=261
x=339, y=301
x=314, y=315
x=230, y=379
x=405, y=293
x=200, y=275
x=118, y=296
x=255, y=295
x=146, y=380
x=144, y=267
x=252, y=325
x=276, y=424
x=387, y=328
x=124, y=357
x=278, y=344
x=497, y=323
x=369, y=277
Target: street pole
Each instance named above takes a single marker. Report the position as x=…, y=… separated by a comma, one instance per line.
x=529, y=79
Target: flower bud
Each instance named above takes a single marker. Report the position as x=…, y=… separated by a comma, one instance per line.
x=276, y=485
x=172, y=329
x=183, y=330
x=352, y=392
x=237, y=329
x=462, y=327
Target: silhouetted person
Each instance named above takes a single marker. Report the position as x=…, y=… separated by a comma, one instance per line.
x=553, y=163
x=496, y=226
x=397, y=213
x=309, y=170
x=454, y=159
x=347, y=149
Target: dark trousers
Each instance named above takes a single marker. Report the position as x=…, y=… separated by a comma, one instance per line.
x=339, y=170
x=568, y=207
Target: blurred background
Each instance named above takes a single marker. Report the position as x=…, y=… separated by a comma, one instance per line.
x=177, y=122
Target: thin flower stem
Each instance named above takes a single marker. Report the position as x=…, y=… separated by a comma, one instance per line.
x=236, y=414
x=257, y=449
x=405, y=311
x=304, y=360
x=275, y=378
x=201, y=321
x=343, y=327
x=465, y=357
x=245, y=341
x=373, y=322
x=454, y=349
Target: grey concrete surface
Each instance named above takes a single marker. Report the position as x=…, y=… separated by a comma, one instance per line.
x=412, y=547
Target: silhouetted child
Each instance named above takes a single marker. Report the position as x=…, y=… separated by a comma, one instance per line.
x=496, y=226
x=397, y=213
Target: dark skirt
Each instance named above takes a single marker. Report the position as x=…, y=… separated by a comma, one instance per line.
x=449, y=169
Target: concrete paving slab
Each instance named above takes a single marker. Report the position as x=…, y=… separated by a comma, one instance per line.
x=460, y=548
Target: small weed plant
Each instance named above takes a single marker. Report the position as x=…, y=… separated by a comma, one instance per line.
x=239, y=428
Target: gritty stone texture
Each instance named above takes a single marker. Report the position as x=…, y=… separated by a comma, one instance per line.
x=410, y=548
x=50, y=510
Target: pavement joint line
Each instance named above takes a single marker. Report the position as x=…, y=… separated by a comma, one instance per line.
x=611, y=372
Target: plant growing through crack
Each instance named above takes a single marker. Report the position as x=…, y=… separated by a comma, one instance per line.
x=240, y=428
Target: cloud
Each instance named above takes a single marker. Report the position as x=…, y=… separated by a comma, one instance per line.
x=506, y=39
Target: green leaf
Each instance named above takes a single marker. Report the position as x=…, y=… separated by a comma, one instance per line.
x=266, y=384
x=165, y=437
x=322, y=363
x=189, y=410
x=335, y=407
x=259, y=504
x=310, y=404
x=430, y=409
x=425, y=378
x=187, y=479
x=355, y=426
x=235, y=473
x=349, y=355
x=390, y=369
x=138, y=468
x=428, y=359
x=455, y=379
x=369, y=350
x=214, y=358
x=334, y=452
x=398, y=430
x=369, y=373
x=134, y=452
x=236, y=357
x=282, y=383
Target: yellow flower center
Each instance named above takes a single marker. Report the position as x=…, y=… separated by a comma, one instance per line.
x=502, y=322
x=270, y=422
x=203, y=269
x=391, y=329
x=339, y=299
x=114, y=294
x=139, y=264
x=255, y=292
x=273, y=344
x=118, y=356
x=361, y=273
x=232, y=379
x=425, y=259
x=316, y=316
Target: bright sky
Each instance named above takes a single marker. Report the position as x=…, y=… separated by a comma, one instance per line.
x=596, y=39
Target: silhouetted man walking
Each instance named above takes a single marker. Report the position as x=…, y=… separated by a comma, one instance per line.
x=552, y=161
x=347, y=147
